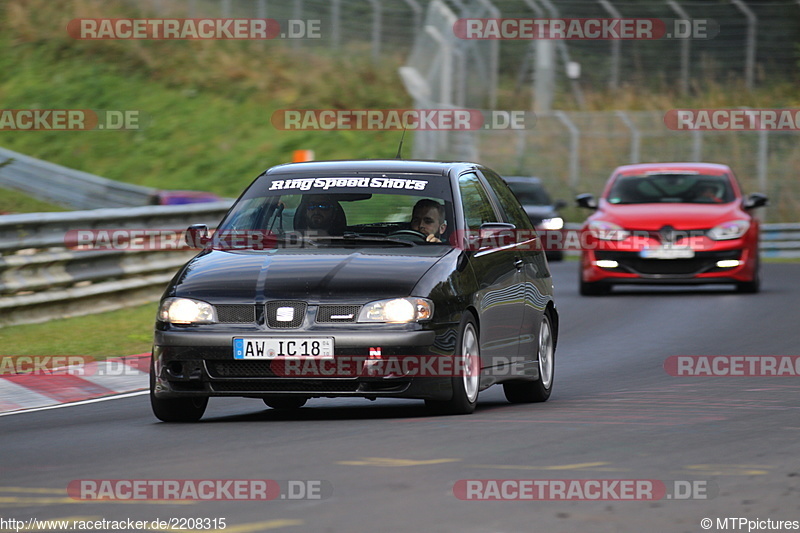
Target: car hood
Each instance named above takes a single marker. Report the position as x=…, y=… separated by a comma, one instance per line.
x=680, y=216
x=223, y=276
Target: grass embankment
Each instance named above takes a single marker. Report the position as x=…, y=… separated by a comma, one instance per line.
x=206, y=105
x=17, y=202
x=112, y=334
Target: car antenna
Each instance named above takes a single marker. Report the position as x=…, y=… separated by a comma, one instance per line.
x=400, y=148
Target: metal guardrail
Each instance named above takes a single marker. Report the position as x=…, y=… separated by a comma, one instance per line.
x=66, y=186
x=43, y=275
x=780, y=240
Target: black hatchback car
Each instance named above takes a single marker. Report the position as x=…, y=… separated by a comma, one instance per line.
x=375, y=279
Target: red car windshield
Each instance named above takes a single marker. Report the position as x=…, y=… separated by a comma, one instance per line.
x=671, y=188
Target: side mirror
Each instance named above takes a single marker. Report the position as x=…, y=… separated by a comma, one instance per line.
x=586, y=200
x=756, y=200
x=560, y=204
x=196, y=236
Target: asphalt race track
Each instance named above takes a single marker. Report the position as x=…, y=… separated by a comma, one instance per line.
x=389, y=466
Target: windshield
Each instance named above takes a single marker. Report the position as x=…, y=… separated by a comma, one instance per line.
x=671, y=188
x=530, y=193
x=367, y=210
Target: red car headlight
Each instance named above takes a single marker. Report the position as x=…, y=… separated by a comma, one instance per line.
x=608, y=231
x=729, y=230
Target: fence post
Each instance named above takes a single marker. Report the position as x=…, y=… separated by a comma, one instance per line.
x=226, y=9
x=636, y=135
x=685, y=42
x=297, y=14
x=494, y=57
x=336, y=23
x=417, y=9
x=750, y=59
x=562, y=49
x=574, y=147
x=613, y=83
x=697, y=145
x=377, y=9
x=763, y=159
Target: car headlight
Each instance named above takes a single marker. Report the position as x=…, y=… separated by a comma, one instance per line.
x=397, y=310
x=552, y=223
x=186, y=311
x=608, y=231
x=729, y=230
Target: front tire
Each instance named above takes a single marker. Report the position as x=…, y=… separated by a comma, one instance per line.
x=593, y=288
x=175, y=409
x=538, y=390
x=754, y=286
x=467, y=384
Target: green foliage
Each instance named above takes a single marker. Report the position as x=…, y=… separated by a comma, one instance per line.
x=205, y=106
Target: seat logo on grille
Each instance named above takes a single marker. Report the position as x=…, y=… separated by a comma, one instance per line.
x=285, y=314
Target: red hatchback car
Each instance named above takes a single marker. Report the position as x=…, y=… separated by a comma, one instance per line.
x=670, y=223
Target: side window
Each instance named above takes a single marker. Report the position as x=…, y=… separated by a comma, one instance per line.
x=477, y=207
x=508, y=202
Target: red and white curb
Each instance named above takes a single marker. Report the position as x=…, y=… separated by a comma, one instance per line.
x=95, y=379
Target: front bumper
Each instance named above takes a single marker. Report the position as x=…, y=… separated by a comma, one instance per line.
x=195, y=362
x=702, y=268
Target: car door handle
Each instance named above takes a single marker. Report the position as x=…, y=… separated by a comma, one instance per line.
x=519, y=263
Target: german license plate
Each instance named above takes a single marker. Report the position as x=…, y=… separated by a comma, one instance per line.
x=667, y=253
x=282, y=348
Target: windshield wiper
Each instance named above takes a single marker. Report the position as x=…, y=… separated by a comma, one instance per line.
x=363, y=239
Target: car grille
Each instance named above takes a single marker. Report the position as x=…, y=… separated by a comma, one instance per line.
x=700, y=263
x=291, y=310
x=239, y=369
x=236, y=314
x=338, y=313
x=269, y=369
x=285, y=386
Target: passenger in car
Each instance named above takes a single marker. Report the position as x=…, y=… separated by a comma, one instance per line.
x=320, y=215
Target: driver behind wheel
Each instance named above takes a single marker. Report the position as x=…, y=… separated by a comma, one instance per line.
x=428, y=219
